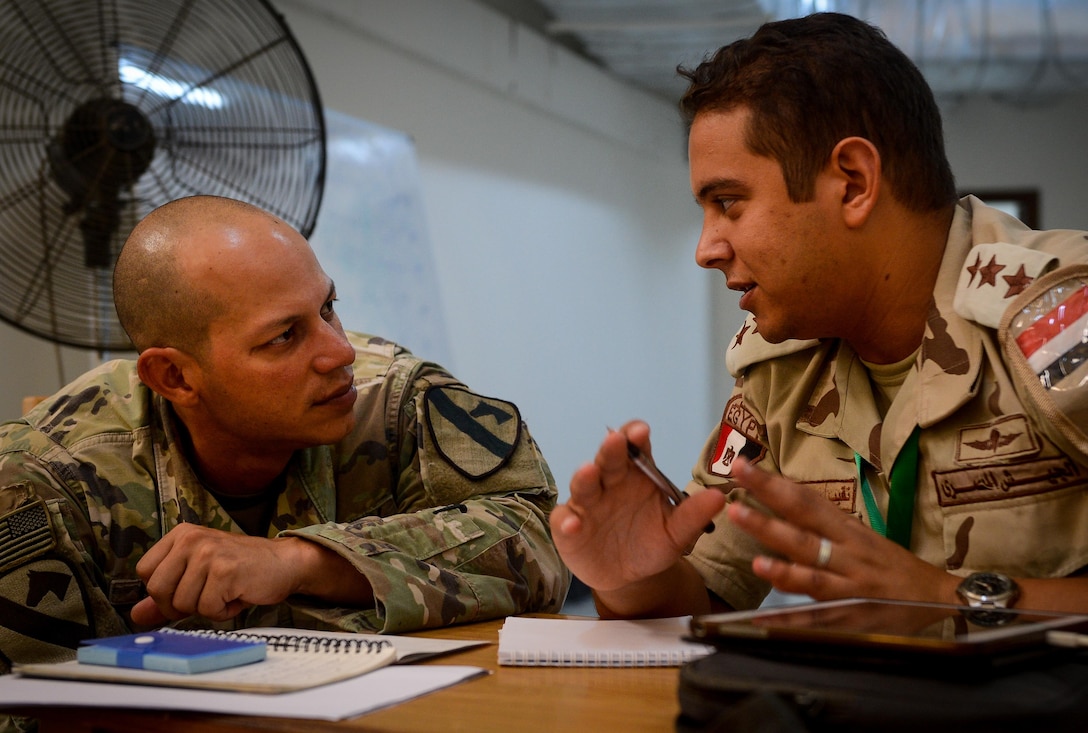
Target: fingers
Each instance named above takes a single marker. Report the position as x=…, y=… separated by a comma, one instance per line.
x=790, y=577
x=160, y=573
x=805, y=509
x=819, y=550
x=190, y=571
x=177, y=585
x=797, y=544
x=565, y=521
x=611, y=468
x=619, y=527
x=146, y=613
x=638, y=432
x=613, y=461
x=689, y=521
x=810, y=538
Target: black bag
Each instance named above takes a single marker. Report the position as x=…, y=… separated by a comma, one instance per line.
x=742, y=693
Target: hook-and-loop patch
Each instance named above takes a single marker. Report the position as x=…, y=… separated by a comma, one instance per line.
x=475, y=435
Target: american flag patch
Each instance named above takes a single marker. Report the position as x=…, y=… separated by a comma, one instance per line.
x=24, y=533
x=1057, y=342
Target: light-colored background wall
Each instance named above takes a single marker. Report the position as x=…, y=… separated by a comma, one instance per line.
x=562, y=229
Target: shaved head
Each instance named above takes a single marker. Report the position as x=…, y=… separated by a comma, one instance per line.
x=159, y=296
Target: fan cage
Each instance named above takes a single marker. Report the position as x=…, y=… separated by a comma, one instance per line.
x=111, y=108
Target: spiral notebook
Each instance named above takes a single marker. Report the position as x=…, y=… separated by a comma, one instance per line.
x=294, y=661
x=570, y=642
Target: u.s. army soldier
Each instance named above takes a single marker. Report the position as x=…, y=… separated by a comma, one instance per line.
x=257, y=465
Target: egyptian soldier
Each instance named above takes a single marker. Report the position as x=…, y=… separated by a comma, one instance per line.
x=911, y=394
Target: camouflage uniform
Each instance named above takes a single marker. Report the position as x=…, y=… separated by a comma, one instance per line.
x=439, y=497
x=1003, y=460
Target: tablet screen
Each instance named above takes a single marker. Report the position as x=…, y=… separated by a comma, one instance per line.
x=859, y=626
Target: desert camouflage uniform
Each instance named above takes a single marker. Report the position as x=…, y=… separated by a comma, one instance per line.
x=439, y=497
x=1003, y=460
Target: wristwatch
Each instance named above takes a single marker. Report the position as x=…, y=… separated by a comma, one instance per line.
x=988, y=595
x=988, y=590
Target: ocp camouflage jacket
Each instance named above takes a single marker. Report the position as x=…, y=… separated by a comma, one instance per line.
x=439, y=497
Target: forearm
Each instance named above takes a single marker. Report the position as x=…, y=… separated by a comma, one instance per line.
x=482, y=559
x=678, y=591
x=1057, y=594
x=322, y=573
x=1037, y=594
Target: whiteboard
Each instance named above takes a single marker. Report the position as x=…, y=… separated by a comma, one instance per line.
x=371, y=238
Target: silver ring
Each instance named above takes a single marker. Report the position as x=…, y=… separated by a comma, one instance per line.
x=823, y=556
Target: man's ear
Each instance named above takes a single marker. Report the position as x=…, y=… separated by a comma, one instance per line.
x=855, y=163
x=169, y=372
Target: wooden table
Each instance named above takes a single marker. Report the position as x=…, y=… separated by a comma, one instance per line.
x=520, y=699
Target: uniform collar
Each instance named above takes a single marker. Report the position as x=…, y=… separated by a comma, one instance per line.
x=309, y=495
x=842, y=404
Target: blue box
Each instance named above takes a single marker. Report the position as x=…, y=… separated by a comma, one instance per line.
x=166, y=651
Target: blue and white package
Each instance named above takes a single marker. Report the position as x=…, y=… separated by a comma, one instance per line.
x=171, y=652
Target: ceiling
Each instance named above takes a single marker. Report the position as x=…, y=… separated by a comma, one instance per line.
x=1020, y=51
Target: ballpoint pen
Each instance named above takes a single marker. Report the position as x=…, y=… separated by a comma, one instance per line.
x=650, y=470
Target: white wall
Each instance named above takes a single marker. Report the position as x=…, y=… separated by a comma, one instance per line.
x=997, y=146
x=558, y=209
x=562, y=227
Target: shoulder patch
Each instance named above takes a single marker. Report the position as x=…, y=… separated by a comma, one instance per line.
x=475, y=435
x=1050, y=329
x=747, y=347
x=993, y=275
x=740, y=435
x=25, y=532
x=44, y=611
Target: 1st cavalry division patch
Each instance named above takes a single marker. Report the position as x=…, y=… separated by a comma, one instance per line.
x=475, y=435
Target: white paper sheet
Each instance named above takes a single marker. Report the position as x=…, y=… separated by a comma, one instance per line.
x=566, y=642
x=340, y=700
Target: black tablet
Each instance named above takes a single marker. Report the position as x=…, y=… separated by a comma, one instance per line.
x=866, y=631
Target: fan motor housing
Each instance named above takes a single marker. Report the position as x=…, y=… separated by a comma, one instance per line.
x=108, y=142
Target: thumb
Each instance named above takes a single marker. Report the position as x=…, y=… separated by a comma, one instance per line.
x=146, y=613
x=696, y=515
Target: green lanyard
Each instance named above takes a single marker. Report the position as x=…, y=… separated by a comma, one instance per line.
x=904, y=483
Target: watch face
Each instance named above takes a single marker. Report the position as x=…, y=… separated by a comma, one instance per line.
x=989, y=589
x=989, y=584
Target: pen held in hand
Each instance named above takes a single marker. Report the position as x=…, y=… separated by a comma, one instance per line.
x=650, y=470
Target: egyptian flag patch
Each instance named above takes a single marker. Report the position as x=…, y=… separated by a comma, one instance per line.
x=733, y=441
x=475, y=435
x=1056, y=344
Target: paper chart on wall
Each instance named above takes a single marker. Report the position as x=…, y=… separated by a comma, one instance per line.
x=371, y=238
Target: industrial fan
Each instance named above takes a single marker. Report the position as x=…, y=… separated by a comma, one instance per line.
x=109, y=108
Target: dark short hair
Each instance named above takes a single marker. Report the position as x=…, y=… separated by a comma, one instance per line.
x=809, y=83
